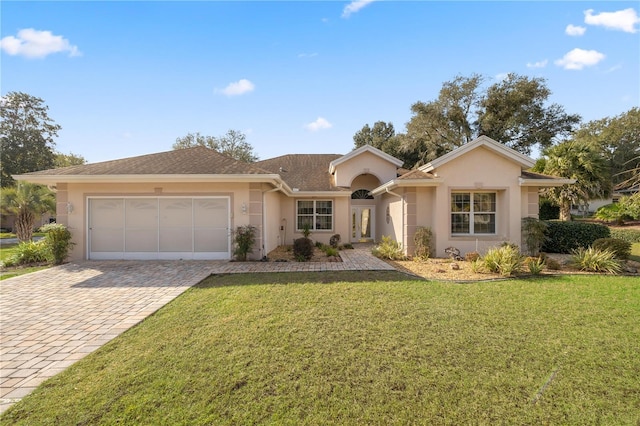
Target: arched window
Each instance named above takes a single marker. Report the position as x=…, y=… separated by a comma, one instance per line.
x=361, y=194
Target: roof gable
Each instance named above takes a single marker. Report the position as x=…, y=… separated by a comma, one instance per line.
x=362, y=149
x=483, y=141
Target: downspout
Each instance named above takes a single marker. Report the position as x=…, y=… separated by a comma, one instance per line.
x=403, y=224
x=264, y=218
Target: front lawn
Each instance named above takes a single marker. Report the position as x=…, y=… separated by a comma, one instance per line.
x=635, y=252
x=364, y=348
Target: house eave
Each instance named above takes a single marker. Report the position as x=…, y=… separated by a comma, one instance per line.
x=403, y=183
x=545, y=183
x=317, y=194
x=163, y=178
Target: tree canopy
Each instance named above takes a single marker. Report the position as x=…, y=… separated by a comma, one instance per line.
x=514, y=111
x=27, y=201
x=233, y=143
x=619, y=139
x=577, y=160
x=26, y=136
x=66, y=160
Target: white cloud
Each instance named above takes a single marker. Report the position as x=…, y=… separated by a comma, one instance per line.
x=623, y=20
x=240, y=87
x=354, y=7
x=32, y=43
x=319, y=124
x=539, y=64
x=575, y=30
x=502, y=76
x=579, y=58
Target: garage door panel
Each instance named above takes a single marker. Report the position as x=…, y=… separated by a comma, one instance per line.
x=107, y=240
x=211, y=213
x=176, y=240
x=141, y=240
x=175, y=212
x=211, y=240
x=159, y=228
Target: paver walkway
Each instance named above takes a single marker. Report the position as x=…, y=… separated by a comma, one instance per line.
x=51, y=318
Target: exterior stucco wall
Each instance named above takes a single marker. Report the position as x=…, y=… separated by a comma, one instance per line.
x=479, y=170
x=273, y=221
x=341, y=211
x=77, y=196
x=390, y=225
x=364, y=163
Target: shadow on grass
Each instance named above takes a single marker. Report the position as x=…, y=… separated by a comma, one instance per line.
x=284, y=278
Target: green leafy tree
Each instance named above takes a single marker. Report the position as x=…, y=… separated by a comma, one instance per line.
x=446, y=123
x=26, y=136
x=66, y=160
x=580, y=161
x=27, y=201
x=233, y=143
x=619, y=139
x=514, y=111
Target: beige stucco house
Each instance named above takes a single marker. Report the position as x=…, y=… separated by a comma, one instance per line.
x=185, y=204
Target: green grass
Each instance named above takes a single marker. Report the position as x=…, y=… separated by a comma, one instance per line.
x=635, y=252
x=8, y=250
x=364, y=348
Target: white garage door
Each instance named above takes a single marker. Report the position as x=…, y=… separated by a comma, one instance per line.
x=159, y=228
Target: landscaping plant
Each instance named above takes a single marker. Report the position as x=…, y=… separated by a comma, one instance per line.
x=388, y=249
x=594, y=260
x=303, y=249
x=422, y=240
x=534, y=233
x=57, y=241
x=245, y=238
x=621, y=249
x=505, y=260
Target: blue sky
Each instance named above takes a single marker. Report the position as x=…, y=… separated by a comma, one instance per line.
x=128, y=78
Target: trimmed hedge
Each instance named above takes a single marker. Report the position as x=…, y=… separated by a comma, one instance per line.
x=628, y=235
x=620, y=248
x=547, y=210
x=564, y=237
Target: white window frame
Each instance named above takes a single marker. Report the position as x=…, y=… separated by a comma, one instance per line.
x=315, y=214
x=471, y=213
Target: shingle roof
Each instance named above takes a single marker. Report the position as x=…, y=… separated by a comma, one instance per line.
x=307, y=172
x=190, y=161
x=416, y=174
x=532, y=175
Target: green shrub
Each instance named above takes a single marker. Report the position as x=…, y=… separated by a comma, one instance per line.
x=628, y=235
x=612, y=213
x=28, y=252
x=303, y=249
x=57, y=241
x=306, y=230
x=388, y=249
x=548, y=210
x=564, y=237
x=505, y=260
x=534, y=233
x=331, y=252
x=422, y=239
x=595, y=260
x=535, y=265
x=319, y=245
x=334, y=241
x=347, y=246
x=477, y=266
x=244, y=238
x=620, y=248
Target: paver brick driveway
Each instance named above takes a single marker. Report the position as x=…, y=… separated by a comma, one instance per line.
x=51, y=318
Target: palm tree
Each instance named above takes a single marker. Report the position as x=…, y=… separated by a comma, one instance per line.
x=27, y=201
x=583, y=162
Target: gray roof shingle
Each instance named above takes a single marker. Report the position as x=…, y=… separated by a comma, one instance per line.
x=307, y=172
x=190, y=161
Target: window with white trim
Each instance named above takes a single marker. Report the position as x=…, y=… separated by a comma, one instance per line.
x=473, y=213
x=318, y=214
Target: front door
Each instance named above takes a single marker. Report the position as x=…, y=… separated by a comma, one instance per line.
x=362, y=224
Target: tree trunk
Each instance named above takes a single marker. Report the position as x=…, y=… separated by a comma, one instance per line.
x=24, y=224
x=565, y=211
